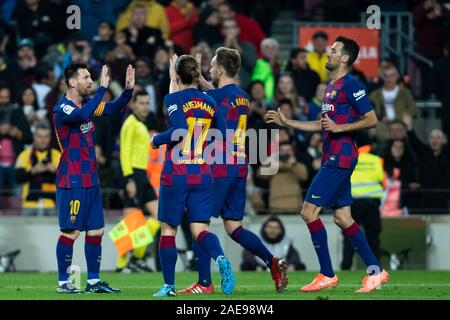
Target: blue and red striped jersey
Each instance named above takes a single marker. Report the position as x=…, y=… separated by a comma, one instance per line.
x=76, y=137
x=345, y=101
x=194, y=113
x=234, y=105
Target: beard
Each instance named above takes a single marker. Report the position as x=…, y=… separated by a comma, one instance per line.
x=215, y=82
x=331, y=67
x=85, y=92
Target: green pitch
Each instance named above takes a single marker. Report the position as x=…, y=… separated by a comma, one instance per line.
x=409, y=285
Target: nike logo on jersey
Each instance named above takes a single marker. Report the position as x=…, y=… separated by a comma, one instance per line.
x=316, y=197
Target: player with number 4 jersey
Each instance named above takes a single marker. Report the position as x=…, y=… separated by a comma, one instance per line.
x=230, y=172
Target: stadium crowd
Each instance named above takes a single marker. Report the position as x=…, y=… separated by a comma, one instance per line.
x=36, y=45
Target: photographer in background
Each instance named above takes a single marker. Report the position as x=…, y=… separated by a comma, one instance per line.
x=285, y=192
x=35, y=169
x=273, y=235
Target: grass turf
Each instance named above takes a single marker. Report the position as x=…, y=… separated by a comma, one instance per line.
x=404, y=285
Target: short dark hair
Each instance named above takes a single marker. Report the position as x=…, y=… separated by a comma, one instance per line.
x=187, y=69
x=320, y=34
x=140, y=93
x=396, y=121
x=42, y=126
x=229, y=59
x=351, y=48
x=286, y=101
x=71, y=71
x=294, y=52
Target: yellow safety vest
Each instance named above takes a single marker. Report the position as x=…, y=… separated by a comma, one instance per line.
x=367, y=178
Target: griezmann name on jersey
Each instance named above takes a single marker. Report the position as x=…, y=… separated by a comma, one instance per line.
x=195, y=112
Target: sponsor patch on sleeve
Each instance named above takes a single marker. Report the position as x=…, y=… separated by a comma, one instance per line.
x=67, y=109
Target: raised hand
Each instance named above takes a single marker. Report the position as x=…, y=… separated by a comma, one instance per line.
x=104, y=76
x=276, y=117
x=172, y=72
x=129, y=78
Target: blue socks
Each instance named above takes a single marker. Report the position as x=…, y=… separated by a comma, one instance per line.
x=252, y=243
x=320, y=242
x=210, y=243
x=358, y=241
x=168, y=258
x=64, y=252
x=203, y=264
x=93, y=253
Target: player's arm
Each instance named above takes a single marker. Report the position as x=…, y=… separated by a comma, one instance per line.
x=173, y=86
x=176, y=120
x=118, y=104
x=279, y=118
x=367, y=121
x=68, y=114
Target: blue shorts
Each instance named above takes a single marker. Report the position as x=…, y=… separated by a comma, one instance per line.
x=196, y=201
x=331, y=187
x=80, y=208
x=229, y=198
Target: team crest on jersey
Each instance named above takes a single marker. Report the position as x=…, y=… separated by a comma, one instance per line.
x=86, y=127
x=67, y=109
x=333, y=94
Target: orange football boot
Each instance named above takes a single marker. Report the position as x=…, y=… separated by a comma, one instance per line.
x=374, y=281
x=197, y=288
x=321, y=282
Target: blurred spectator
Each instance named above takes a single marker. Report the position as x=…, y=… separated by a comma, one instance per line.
x=79, y=50
x=305, y=79
x=430, y=18
x=253, y=32
x=264, y=69
x=231, y=32
x=402, y=178
x=258, y=105
x=28, y=103
x=162, y=80
x=315, y=104
x=8, y=36
x=208, y=27
x=42, y=21
x=312, y=156
x=26, y=62
x=391, y=101
x=182, y=17
x=396, y=131
x=434, y=171
x=285, y=193
x=7, y=75
x=273, y=235
x=144, y=79
x=103, y=41
x=96, y=12
x=121, y=50
x=367, y=190
x=45, y=80
x=317, y=58
x=205, y=50
x=439, y=83
x=14, y=134
x=142, y=39
x=36, y=170
x=285, y=89
x=155, y=17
